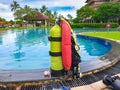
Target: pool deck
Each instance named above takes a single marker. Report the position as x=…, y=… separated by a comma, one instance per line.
x=94, y=86
x=104, y=62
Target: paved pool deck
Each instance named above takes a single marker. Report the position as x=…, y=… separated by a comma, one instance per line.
x=18, y=78
x=94, y=86
x=99, y=85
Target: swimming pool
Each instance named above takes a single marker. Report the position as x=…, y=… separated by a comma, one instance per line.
x=92, y=48
x=28, y=49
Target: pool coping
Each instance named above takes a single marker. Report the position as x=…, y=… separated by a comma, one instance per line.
x=32, y=76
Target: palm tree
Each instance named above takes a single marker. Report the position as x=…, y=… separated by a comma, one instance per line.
x=55, y=15
x=43, y=9
x=48, y=13
x=70, y=17
x=26, y=14
x=27, y=8
x=14, y=7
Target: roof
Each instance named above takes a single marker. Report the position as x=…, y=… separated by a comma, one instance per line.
x=1, y=22
x=41, y=16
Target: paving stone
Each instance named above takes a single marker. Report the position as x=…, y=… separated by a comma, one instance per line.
x=87, y=87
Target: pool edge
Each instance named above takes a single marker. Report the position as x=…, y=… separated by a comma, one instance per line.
x=35, y=81
x=114, y=53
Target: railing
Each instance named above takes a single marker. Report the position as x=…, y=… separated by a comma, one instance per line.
x=78, y=30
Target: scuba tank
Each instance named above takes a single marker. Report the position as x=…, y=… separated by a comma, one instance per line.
x=64, y=52
x=55, y=51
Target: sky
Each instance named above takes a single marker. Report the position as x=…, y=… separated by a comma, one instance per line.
x=62, y=7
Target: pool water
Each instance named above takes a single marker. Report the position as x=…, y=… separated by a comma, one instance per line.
x=29, y=49
x=92, y=48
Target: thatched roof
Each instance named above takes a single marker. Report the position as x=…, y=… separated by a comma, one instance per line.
x=41, y=16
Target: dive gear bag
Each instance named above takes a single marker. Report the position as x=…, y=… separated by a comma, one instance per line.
x=75, y=60
x=112, y=81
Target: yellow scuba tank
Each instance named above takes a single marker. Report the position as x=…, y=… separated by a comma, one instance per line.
x=55, y=51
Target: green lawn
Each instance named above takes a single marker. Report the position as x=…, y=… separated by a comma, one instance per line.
x=108, y=35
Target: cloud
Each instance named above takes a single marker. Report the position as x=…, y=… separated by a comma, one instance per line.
x=3, y=6
x=7, y=15
x=52, y=3
x=5, y=11
x=6, y=1
x=73, y=13
x=63, y=7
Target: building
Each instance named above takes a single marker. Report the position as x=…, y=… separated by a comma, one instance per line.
x=96, y=3
x=1, y=24
x=40, y=19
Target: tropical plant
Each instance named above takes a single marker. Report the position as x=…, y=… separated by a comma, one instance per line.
x=55, y=15
x=14, y=6
x=107, y=11
x=70, y=17
x=29, y=13
x=2, y=19
x=25, y=13
x=11, y=22
x=76, y=20
x=85, y=12
x=43, y=9
x=48, y=13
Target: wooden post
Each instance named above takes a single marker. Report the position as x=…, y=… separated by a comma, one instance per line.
x=45, y=23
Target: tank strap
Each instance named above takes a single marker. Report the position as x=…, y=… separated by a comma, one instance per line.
x=55, y=53
x=58, y=39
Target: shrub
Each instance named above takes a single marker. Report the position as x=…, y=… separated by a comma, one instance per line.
x=93, y=25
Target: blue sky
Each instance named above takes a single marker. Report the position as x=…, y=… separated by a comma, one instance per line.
x=62, y=7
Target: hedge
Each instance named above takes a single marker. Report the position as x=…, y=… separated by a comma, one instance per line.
x=93, y=25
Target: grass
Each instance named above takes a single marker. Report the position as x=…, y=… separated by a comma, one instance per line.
x=107, y=35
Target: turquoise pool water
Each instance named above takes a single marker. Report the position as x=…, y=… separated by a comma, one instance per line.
x=28, y=49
